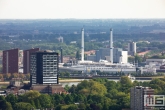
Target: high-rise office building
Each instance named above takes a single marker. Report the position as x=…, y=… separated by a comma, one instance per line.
x=10, y=61
x=137, y=97
x=132, y=48
x=26, y=59
x=44, y=67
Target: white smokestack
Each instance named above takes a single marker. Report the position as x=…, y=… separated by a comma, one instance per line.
x=82, y=45
x=111, y=45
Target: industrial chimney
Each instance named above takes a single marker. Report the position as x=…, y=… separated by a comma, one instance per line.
x=61, y=56
x=82, y=45
x=111, y=45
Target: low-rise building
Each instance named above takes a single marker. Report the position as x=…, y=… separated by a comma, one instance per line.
x=49, y=89
x=157, y=61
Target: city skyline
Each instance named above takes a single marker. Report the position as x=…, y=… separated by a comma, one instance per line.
x=78, y=9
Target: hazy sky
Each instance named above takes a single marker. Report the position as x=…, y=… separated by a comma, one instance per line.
x=55, y=9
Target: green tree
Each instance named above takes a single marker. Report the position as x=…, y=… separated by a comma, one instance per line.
x=1, y=76
x=68, y=99
x=123, y=100
x=66, y=87
x=110, y=85
x=31, y=95
x=131, y=59
x=58, y=107
x=81, y=106
x=158, y=85
x=8, y=106
x=8, y=76
x=107, y=103
x=21, y=75
x=32, y=103
x=72, y=89
x=4, y=105
x=27, y=76
x=62, y=74
x=91, y=87
x=45, y=101
x=80, y=98
x=67, y=74
x=58, y=99
x=112, y=93
x=126, y=101
x=101, y=80
x=12, y=99
x=37, y=104
x=72, y=107
x=78, y=55
x=126, y=83
x=15, y=75
x=23, y=106
x=138, y=59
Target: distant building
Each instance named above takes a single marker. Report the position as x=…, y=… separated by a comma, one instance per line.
x=15, y=83
x=156, y=61
x=49, y=89
x=91, y=57
x=60, y=39
x=44, y=67
x=1, y=56
x=91, y=52
x=15, y=91
x=26, y=59
x=137, y=97
x=119, y=56
x=10, y=61
x=73, y=42
x=132, y=48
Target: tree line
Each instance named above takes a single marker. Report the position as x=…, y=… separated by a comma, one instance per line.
x=95, y=94
x=9, y=76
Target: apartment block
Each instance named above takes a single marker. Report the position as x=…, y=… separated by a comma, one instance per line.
x=137, y=97
x=10, y=61
x=26, y=59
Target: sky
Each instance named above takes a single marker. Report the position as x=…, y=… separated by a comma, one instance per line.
x=82, y=9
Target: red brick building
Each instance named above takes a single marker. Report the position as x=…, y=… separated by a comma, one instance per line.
x=26, y=59
x=10, y=61
x=49, y=89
